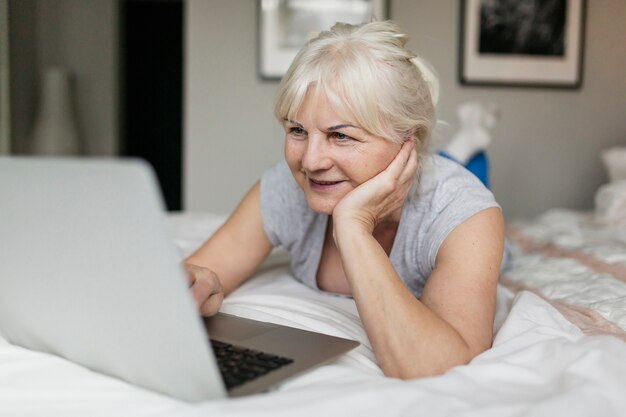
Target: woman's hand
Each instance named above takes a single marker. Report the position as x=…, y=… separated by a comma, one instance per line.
x=381, y=195
x=206, y=289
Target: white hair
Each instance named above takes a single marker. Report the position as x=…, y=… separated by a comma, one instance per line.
x=369, y=77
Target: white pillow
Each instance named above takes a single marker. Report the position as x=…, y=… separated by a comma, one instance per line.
x=615, y=162
x=610, y=203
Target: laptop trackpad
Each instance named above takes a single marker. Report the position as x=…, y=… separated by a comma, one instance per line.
x=224, y=326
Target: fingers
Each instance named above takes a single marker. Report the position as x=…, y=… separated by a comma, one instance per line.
x=382, y=194
x=410, y=168
x=404, y=166
x=399, y=165
x=191, y=276
x=208, y=294
x=212, y=305
x=206, y=289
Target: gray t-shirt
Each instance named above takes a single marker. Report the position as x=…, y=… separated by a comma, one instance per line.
x=445, y=197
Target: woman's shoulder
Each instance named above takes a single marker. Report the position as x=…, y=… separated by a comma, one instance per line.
x=283, y=204
x=443, y=180
x=436, y=168
x=278, y=184
x=447, y=194
x=279, y=175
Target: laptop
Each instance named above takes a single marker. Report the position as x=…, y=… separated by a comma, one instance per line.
x=89, y=273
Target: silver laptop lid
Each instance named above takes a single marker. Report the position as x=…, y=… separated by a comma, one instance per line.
x=88, y=272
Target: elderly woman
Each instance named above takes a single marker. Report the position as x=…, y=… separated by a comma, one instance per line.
x=415, y=239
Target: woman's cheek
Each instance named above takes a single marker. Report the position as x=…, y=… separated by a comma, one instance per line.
x=292, y=151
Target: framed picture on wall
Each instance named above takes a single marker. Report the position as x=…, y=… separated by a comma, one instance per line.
x=537, y=43
x=286, y=25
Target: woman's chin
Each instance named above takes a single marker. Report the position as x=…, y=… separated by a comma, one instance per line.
x=321, y=206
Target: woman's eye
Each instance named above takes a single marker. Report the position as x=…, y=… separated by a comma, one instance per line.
x=297, y=131
x=341, y=137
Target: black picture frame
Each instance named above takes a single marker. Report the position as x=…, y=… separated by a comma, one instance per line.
x=501, y=43
x=285, y=25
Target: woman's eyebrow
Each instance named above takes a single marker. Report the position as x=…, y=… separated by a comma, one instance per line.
x=329, y=129
x=342, y=126
x=293, y=122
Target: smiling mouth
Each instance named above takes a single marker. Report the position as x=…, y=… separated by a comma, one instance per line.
x=318, y=182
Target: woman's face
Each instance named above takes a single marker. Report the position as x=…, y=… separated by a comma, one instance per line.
x=329, y=156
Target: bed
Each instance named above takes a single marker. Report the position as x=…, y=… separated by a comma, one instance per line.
x=559, y=347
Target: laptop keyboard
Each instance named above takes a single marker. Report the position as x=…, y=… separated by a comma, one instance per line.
x=239, y=365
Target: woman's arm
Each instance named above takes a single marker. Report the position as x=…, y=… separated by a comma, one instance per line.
x=231, y=255
x=452, y=322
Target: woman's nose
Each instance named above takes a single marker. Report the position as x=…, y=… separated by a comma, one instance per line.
x=317, y=154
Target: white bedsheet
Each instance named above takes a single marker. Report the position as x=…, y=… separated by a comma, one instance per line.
x=540, y=365
x=572, y=257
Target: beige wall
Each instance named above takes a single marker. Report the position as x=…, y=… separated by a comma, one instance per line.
x=545, y=150
x=230, y=133
x=82, y=36
x=546, y=145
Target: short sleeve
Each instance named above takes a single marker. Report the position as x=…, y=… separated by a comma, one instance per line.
x=454, y=197
x=289, y=222
x=280, y=204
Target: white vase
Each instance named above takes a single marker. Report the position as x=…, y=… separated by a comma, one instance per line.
x=55, y=131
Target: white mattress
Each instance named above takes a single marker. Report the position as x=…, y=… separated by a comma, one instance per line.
x=540, y=364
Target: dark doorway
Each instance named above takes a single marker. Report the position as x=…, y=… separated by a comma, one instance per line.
x=151, y=36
